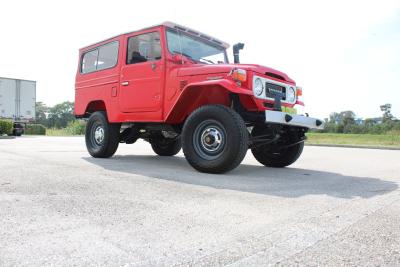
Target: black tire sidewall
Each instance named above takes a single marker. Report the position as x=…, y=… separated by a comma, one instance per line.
x=287, y=157
x=166, y=149
x=235, y=143
x=111, y=132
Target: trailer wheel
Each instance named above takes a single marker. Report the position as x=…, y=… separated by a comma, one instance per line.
x=102, y=137
x=164, y=147
x=17, y=132
x=214, y=139
x=18, y=129
x=272, y=155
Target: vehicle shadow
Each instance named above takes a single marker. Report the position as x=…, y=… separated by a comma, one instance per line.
x=284, y=182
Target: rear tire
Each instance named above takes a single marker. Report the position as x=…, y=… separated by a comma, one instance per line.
x=214, y=139
x=272, y=155
x=102, y=137
x=164, y=147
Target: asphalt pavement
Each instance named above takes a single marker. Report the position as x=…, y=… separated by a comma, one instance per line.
x=61, y=207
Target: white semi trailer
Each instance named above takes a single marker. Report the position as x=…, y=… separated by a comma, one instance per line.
x=17, y=102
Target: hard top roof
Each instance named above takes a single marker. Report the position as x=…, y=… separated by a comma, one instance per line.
x=174, y=26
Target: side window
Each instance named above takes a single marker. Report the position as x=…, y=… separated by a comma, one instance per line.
x=144, y=47
x=108, y=56
x=103, y=57
x=89, y=61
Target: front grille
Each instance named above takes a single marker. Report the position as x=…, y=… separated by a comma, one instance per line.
x=272, y=89
x=276, y=76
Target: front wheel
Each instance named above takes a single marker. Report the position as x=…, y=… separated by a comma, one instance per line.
x=276, y=155
x=102, y=137
x=214, y=139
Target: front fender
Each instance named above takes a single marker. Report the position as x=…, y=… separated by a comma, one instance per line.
x=229, y=85
x=197, y=94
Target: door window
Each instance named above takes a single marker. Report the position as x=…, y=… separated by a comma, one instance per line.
x=144, y=47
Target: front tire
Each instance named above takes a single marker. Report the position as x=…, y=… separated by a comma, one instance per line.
x=102, y=137
x=273, y=155
x=214, y=139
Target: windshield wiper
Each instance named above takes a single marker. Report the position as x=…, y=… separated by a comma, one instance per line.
x=207, y=60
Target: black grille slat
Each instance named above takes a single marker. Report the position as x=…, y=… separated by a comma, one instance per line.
x=270, y=88
x=276, y=76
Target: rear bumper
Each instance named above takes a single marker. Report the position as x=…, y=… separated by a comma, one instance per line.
x=293, y=120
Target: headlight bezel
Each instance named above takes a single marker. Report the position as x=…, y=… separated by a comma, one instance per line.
x=258, y=87
x=267, y=80
x=290, y=94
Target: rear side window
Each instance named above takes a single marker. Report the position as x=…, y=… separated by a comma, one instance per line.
x=144, y=47
x=89, y=61
x=103, y=57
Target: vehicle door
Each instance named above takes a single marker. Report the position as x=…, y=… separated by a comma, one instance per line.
x=142, y=75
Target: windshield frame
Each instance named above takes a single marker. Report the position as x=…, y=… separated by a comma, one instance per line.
x=174, y=30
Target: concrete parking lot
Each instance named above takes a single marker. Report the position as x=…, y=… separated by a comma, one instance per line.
x=59, y=206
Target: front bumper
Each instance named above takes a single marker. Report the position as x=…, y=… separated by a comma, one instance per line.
x=293, y=120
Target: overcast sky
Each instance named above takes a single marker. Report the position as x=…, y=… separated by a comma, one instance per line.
x=345, y=54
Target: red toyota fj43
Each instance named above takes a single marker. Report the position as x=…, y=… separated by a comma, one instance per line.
x=174, y=87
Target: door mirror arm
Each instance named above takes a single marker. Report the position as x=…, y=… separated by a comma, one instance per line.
x=178, y=59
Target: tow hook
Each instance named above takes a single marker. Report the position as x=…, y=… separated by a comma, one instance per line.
x=288, y=118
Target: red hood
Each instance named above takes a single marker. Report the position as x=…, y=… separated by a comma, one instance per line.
x=202, y=69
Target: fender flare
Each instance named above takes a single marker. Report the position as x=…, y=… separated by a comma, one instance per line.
x=227, y=84
x=177, y=113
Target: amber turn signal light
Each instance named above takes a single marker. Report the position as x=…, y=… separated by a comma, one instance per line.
x=299, y=91
x=238, y=75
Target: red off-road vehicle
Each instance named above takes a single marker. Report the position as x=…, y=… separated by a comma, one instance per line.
x=174, y=87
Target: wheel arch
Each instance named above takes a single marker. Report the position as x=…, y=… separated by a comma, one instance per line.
x=93, y=106
x=196, y=95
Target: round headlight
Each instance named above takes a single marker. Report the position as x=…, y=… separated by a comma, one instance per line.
x=291, y=95
x=258, y=86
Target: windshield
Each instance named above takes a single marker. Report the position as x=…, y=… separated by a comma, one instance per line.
x=194, y=48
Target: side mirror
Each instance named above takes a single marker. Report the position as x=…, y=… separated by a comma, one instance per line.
x=177, y=58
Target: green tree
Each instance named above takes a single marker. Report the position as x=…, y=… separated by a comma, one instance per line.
x=386, y=109
x=41, y=111
x=348, y=121
x=334, y=117
x=61, y=114
x=347, y=115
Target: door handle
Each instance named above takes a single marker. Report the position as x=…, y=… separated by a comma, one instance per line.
x=153, y=66
x=125, y=83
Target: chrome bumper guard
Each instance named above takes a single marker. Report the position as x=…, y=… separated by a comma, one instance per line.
x=293, y=120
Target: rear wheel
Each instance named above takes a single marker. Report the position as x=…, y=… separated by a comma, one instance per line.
x=214, y=139
x=102, y=137
x=165, y=146
x=275, y=155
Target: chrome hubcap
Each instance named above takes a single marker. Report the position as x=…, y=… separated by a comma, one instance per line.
x=99, y=135
x=211, y=139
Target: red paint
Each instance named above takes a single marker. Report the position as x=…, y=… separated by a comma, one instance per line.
x=164, y=90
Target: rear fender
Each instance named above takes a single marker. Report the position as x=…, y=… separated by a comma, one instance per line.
x=93, y=106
